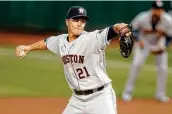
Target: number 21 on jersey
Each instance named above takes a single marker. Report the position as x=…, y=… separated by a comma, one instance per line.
x=82, y=72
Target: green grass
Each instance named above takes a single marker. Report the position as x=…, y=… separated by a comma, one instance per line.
x=40, y=74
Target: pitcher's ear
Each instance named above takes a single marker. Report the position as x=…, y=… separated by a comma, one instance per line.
x=67, y=21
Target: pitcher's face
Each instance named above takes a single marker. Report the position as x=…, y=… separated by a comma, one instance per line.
x=76, y=26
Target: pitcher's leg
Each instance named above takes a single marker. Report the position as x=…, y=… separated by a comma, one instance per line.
x=162, y=66
x=74, y=106
x=103, y=103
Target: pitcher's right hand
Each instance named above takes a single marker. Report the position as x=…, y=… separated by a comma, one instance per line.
x=22, y=50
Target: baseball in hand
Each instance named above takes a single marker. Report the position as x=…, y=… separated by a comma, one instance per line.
x=21, y=54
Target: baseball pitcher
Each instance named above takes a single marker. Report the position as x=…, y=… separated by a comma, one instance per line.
x=83, y=57
x=152, y=28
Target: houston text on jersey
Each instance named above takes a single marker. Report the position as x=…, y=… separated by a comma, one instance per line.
x=73, y=59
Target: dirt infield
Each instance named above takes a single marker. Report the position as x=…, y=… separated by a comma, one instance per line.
x=57, y=105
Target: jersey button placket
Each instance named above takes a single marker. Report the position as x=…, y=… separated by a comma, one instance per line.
x=71, y=67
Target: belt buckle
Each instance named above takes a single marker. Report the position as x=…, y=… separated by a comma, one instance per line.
x=95, y=90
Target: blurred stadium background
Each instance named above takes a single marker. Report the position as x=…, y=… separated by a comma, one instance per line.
x=40, y=74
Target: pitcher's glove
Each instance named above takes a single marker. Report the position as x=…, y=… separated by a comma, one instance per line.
x=126, y=40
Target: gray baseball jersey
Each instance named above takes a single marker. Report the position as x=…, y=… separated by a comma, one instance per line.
x=83, y=58
x=143, y=21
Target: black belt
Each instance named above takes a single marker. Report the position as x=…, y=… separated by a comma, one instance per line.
x=87, y=92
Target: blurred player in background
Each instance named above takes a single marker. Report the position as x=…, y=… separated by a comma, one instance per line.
x=153, y=32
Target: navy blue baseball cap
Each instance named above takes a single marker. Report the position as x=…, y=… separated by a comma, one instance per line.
x=157, y=5
x=76, y=12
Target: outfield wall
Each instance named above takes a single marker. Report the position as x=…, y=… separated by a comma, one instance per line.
x=50, y=15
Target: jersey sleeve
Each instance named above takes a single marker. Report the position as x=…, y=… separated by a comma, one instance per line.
x=168, y=31
x=136, y=22
x=52, y=44
x=104, y=37
x=169, y=27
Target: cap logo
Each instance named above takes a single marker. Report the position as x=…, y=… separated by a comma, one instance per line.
x=81, y=10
